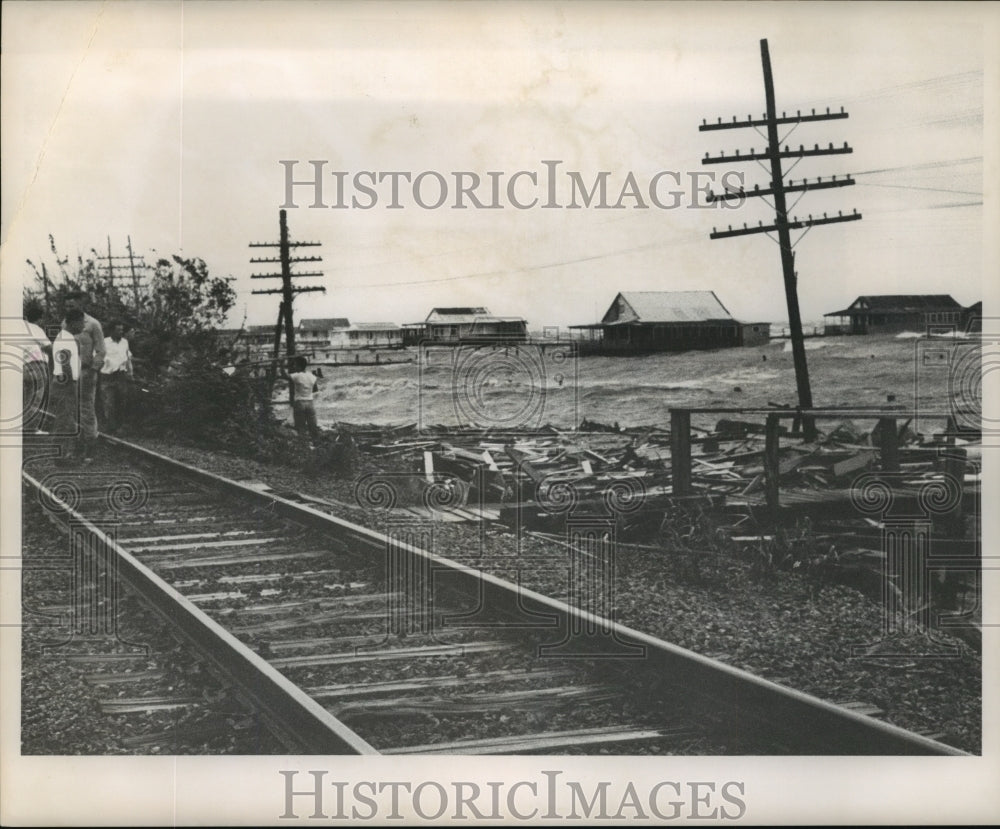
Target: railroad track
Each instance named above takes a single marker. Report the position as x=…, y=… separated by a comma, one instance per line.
x=348, y=641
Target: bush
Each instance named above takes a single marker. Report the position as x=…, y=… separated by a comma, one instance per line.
x=696, y=541
x=791, y=548
x=197, y=401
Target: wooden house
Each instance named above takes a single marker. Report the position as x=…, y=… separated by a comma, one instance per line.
x=891, y=313
x=452, y=326
x=640, y=322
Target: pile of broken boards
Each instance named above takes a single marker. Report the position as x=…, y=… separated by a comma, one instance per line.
x=732, y=459
x=541, y=479
x=536, y=480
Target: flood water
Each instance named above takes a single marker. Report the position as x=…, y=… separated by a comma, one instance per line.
x=528, y=387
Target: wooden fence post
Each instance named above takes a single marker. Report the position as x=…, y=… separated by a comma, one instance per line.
x=888, y=439
x=771, y=472
x=680, y=451
x=954, y=467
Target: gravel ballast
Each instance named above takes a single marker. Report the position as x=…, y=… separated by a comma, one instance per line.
x=73, y=687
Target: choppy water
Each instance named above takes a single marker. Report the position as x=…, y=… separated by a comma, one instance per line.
x=524, y=387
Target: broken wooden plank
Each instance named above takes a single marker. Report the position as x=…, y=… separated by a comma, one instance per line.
x=860, y=461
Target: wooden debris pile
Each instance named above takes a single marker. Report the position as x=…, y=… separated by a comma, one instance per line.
x=537, y=479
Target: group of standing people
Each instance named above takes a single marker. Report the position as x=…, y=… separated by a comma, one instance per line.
x=80, y=383
x=69, y=371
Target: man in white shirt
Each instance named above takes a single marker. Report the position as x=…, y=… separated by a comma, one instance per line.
x=116, y=378
x=65, y=390
x=36, y=349
x=302, y=387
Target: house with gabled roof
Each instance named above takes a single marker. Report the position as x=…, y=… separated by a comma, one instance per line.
x=339, y=332
x=466, y=324
x=321, y=331
x=891, y=313
x=640, y=322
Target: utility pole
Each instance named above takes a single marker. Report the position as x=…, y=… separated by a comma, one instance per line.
x=135, y=275
x=287, y=289
x=782, y=225
x=113, y=271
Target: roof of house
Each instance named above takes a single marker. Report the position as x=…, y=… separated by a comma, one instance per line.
x=324, y=323
x=900, y=303
x=374, y=326
x=665, y=306
x=455, y=316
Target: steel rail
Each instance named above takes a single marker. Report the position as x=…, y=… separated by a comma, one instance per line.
x=297, y=720
x=800, y=721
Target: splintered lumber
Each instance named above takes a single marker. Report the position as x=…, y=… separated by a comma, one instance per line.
x=521, y=463
x=860, y=461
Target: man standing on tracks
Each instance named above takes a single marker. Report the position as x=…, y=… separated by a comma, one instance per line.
x=91, y=344
x=116, y=378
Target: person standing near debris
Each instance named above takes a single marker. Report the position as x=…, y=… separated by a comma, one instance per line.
x=36, y=352
x=303, y=386
x=116, y=378
x=90, y=342
x=65, y=386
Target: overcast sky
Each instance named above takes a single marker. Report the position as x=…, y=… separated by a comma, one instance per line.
x=166, y=122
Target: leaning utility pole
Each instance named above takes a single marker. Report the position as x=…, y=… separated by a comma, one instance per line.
x=287, y=289
x=782, y=224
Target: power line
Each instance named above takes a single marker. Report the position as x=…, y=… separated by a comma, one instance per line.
x=917, y=187
x=926, y=165
x=942, y=82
